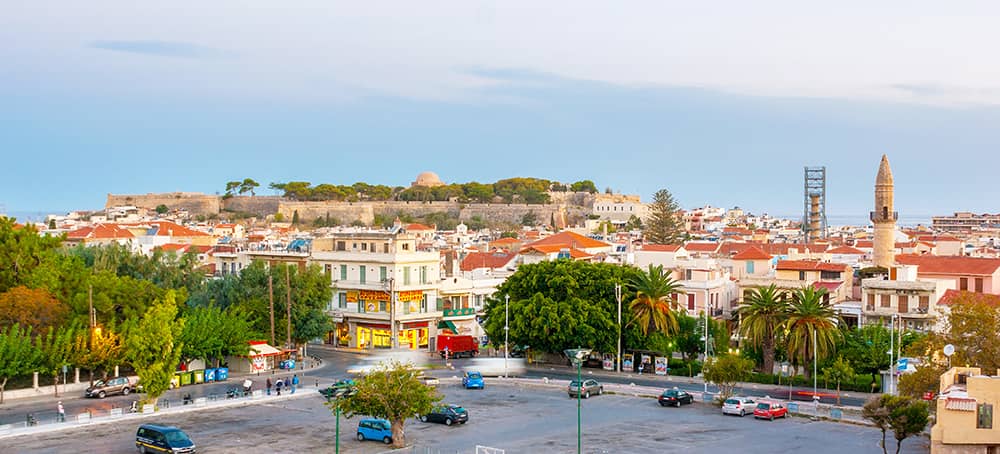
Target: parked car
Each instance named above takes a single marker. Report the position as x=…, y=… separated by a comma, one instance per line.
x=375, y=429
x=338, y=389
x=447, y=414
x=738, y=405
x=590, y=386
x=770, y=410
x=156, y=438
x=428, y=380
x=473, y=380
x=675, y=397
x=114, y=385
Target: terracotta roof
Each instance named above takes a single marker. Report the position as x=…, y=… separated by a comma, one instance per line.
x=846, y=250
x=867, y=244
x=829, y=286
x=752, y=253
x=478, y=260
x=569, y=239
x=935, y=238
x=933, y=264
x=174, y=247
x=165, y=228
x=503, y=241
x=701, y=246
x=99, y=232
x=661, y=247
x=960, y=404
x=810, y=265
x=418, y=227
x=544, y=249
x=736, y=231
x=953, y=295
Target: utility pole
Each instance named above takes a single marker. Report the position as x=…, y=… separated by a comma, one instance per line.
x=506, y=331
x=618, y=296
x=892, y=351
x=270, y=298
x=288, y=306
x=706, y=347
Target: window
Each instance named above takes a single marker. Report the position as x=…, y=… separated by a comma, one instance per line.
x=886, y=299
x=423, y=304
x=903, y=302
x=385, y=247
x=328, y=269
x=829, y=275
x=687, y=275
x=382, y=275
x=925, y=302
x=690, y=301
x=364, y=246
x=343, y=272
x=406, y=246
x=342, y=300
x=371, y=247
x=979, y=285
x=749, y=267
x=406, y=275
x=341, y=246
x=871, y=301
x=363, y=271
x=963, y=283
x=984, y=416
x=423, y=275
x=802, y=275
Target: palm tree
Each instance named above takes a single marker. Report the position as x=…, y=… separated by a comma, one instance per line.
x=762, y=315
x=809, y=316
x=652, y=308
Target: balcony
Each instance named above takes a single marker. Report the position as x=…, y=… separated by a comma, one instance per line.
x=875, y=216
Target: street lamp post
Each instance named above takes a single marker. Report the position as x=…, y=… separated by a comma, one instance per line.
x=618, y=296
x=577, y=356
x=892, y=354
x=706, y=347
x=815, y=378
x=506, y=331
x=338, y=394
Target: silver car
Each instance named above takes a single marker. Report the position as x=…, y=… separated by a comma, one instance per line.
x=737, y=405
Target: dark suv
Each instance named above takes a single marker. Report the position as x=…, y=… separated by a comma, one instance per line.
x=114, y=385
x=156, y=438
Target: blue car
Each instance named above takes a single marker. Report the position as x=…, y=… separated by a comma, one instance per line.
x=473, y=380
x=375, y=429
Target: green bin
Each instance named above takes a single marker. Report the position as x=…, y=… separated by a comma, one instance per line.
x=187, y=378
x=199, y=376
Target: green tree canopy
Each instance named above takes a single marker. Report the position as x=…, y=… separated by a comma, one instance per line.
x=653, y=307
x=18, y=355
x=727, y=371
x=153, y=346
x=762, y=316
x=664, y=225
x=810, y=319
x=838, y=372
x=584, y=186
x=391, y=392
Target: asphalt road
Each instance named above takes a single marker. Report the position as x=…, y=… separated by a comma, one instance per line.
x=519, y=419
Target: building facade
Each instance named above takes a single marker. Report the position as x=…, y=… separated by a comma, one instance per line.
x=965, y=420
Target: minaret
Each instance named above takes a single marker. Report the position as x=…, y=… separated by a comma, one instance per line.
x=884, y=218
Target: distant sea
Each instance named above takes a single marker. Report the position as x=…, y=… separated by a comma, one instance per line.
x=861, y=220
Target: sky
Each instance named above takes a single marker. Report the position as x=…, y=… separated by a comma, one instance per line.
x=722, y=103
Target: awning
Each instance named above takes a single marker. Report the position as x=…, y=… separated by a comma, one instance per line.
x=263, y=350
x=954, y=403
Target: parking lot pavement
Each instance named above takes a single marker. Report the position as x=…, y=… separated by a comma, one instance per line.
x=519, y=419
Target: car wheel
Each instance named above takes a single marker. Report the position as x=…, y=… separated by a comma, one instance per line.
x=101, y=394
x=663, y=404
x=772, y=417
x=586, y=395
x=784, y=416
x=361, y=436
x=125, y=391
x=600, y=391
x=423, y=418
x=386, y=440
x=447, y=421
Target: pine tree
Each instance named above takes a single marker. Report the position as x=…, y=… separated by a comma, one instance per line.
x=664, y=225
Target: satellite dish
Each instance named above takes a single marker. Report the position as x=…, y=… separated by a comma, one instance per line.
x=949, y=350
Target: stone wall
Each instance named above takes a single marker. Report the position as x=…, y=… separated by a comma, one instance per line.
x=261, y=206
x=348, y=212
x=194, y=202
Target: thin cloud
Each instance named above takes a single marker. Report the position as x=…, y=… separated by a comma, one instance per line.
x=173, y=49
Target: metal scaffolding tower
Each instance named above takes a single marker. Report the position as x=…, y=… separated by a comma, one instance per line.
x=814, y=204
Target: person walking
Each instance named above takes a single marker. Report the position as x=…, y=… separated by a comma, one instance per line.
x=268, y=385
x=295, y=382
x=277, y=386
x=62, y=412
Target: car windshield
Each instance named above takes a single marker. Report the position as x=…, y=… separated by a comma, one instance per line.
x=458, y=410
x=176, y=437
x=732, y=401
x=99, y=383
x=763, y=407
x=475, y=375
x=574, y=383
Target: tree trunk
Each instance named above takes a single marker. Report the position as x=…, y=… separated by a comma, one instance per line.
x=55, y=380
x=899, y=443
x=768, y=351
x=884, y=451
x=398, y=437
x=3, y=385
x=838, y=393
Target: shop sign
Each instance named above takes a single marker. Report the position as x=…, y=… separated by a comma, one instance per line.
x=373, y=295
x=410, y=295
x=352, y=297
x=338, y=316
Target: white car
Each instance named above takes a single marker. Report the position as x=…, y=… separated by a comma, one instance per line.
x=738, y=405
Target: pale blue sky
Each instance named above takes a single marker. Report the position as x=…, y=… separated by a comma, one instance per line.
x=720, y=103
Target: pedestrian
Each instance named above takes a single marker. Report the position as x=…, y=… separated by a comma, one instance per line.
x=295, y=382
x=641, y=366
x=277, y=386
x=268, y=385
x=62, y=412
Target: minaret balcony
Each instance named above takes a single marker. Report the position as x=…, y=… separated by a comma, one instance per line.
x=876, y=216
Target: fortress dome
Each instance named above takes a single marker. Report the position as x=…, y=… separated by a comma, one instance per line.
x=428, y=179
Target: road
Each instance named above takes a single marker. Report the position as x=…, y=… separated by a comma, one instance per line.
x=519, y=419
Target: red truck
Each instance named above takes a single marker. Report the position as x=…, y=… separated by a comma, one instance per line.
x=457, y=346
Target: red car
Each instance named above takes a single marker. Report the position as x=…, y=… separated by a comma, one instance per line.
x=770, y=410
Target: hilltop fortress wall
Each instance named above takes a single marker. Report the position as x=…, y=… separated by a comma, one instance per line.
x=564, y=206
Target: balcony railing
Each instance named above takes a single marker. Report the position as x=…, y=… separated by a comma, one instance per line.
x=876, y=216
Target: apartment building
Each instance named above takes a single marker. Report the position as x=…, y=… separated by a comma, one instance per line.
x=373, y=273
x=965, y=421
x=911, y=300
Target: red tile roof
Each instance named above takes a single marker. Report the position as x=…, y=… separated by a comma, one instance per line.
x=493, y=260
x=503, y=241
x=811, y=265
x=867, y=244
x=846, y=250
x=165, y=228
x=952, y=295
x=100, y=232
x=569, y=239
x=412, y=227
x=661, y=247
x=174, y=247
x=752, y=253
x=829, y=286
x=967, y=266
x=544, y=249
x=701, y=246
x=934, y=238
